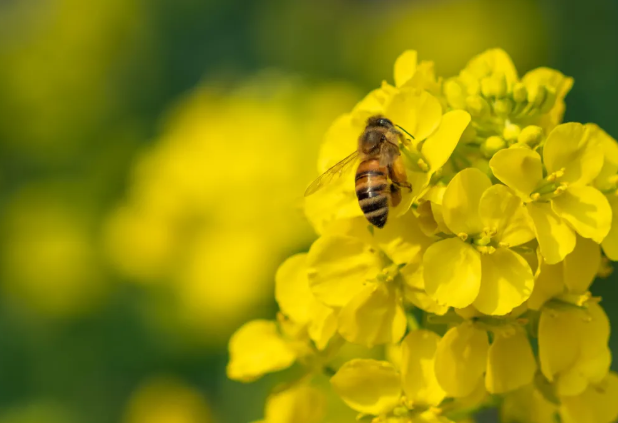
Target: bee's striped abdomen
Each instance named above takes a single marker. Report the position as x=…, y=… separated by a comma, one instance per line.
x=371, y=191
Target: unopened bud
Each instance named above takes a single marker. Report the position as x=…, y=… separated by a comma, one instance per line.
x=520, y=92
x=492, y=145
x=455, y=93
x=477, y=106
x=511, y=132
x=537, y=95
x=503, y=107
x=530, y=135
x=550, y=100
x=494, y=86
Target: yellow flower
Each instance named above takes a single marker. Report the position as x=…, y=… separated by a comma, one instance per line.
x=375, y=387
x=165, y=400
x=528, y=405
x=464, y=356
x=505, y=224
x=569, y=279
x=258, y=348
x=300, y=403
x=573, y=349
x=360, y=274
x=461, y=359
x=597, y=404
x=500, y=103
x=478, y=266
x=561, y=204
x=298, y=303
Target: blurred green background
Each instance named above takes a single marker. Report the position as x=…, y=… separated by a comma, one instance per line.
x=153, y=154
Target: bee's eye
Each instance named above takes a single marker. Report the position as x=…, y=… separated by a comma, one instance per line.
x=385, y=122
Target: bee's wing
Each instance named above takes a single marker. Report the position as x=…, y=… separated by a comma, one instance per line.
x=331, y=174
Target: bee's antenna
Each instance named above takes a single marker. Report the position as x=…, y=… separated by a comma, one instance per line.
x=405, y=131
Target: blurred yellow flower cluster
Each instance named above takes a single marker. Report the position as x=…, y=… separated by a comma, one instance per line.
x=477, y=288
x=207, y=216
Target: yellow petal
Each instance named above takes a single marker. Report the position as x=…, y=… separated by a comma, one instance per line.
x=405, y=67
x=610, y=243
x=414, y=288
x=460, y=204
x=493, y=61
x=374, y=316
x=519, y=168
x=609, y=146
x=368, y=386
x=527, y=405
x=402, y=239
x=418, y=112
x=556, y=238
x=567, y=147
x=372, y=104
x=417, y=368
x=597, y=404
x=460, y=359
x=292, y=289
x=506, y=282
x=452, y=272
x=323, y=324
x=511, y=363
x=582, y=266
x=437, y=149
x=560, y=84
x=338, y=267
x=337, y=200
x=573, y=347
x=587, y=210
x=549, y=283
x=257, y=348
x=299, y=404
x=501, y=210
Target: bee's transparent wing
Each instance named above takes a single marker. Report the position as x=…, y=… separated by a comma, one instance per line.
x=331, y=174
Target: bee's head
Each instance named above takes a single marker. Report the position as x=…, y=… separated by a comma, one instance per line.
x=380, y=121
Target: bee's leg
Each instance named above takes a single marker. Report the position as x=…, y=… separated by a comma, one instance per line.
x=395, y=195
x=405, y=184
x=397, y=174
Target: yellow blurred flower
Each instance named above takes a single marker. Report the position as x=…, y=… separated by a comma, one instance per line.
x=166, y=400
x=185, y=221
x=50, y=261
x=61, y=62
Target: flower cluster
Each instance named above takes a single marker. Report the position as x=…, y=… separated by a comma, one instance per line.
x=476, y=292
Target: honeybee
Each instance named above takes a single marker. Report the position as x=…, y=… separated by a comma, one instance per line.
x=380, y=174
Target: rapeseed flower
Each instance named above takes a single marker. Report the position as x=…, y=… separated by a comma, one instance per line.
x=479, y=283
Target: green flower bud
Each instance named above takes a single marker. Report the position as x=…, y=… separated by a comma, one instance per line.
x=492, y=145
x=477, y=106
x=530, y=135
